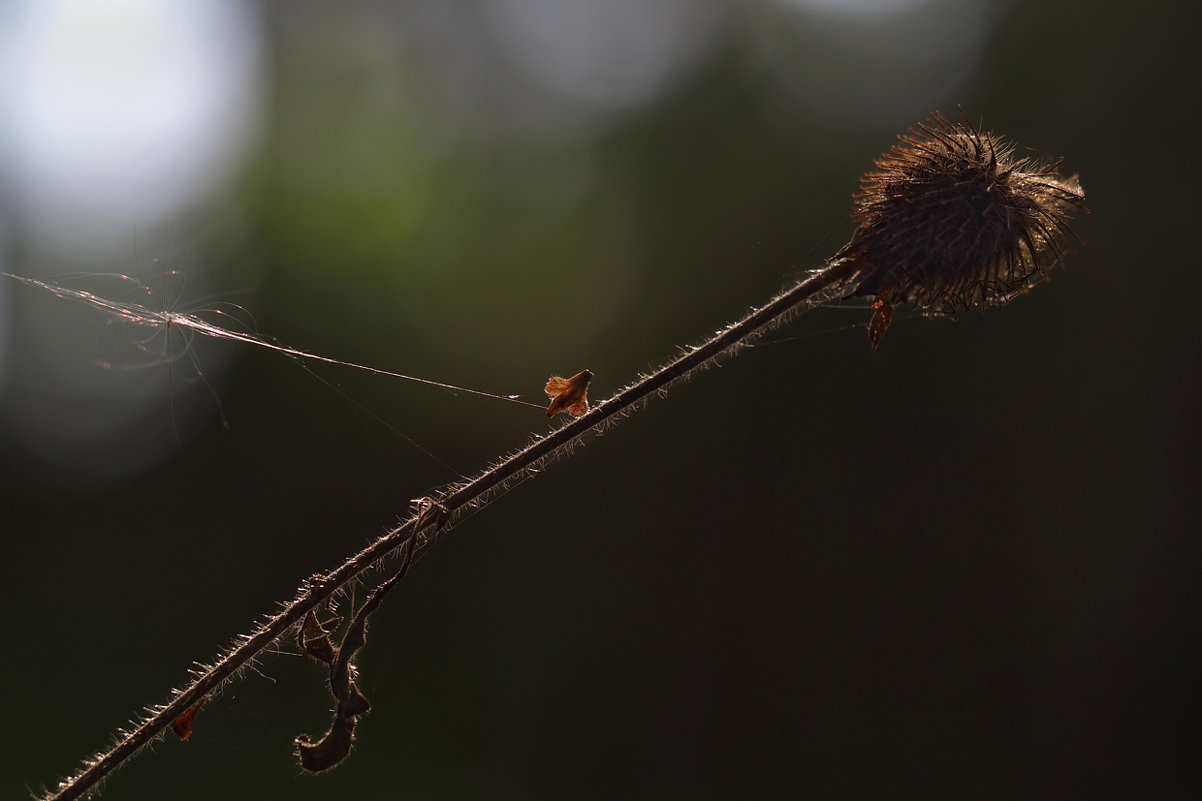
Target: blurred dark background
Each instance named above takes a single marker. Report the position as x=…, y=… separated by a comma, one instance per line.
x=961, y=566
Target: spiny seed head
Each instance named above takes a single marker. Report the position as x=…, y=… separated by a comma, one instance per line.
x=950, y=220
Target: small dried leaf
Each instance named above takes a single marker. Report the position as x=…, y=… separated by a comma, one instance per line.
x=336, y=744
x=569, y=394
x=315, y=640
x=182, y=726
x=331, y=749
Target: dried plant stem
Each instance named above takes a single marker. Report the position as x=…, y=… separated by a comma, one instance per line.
x=419, y=529
x=949, y=221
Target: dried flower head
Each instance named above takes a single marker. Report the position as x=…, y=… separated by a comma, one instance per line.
x=952, y=221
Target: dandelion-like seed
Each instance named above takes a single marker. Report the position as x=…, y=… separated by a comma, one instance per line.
x=950, y=220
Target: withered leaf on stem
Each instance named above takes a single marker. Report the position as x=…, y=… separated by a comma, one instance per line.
x=569, y=394
x=182, y=726
x=331, y=749
x=315, y=640
x=335, y=745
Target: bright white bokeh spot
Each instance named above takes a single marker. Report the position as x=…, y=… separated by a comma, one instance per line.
x=547, y=70
x=611, y=54
x=116, y=117
x=118, y=114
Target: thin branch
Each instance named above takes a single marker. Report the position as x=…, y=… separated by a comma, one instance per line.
x=949, y=221
x=420, y=527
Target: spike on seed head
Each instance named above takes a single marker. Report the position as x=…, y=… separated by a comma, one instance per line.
x=950, y=220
